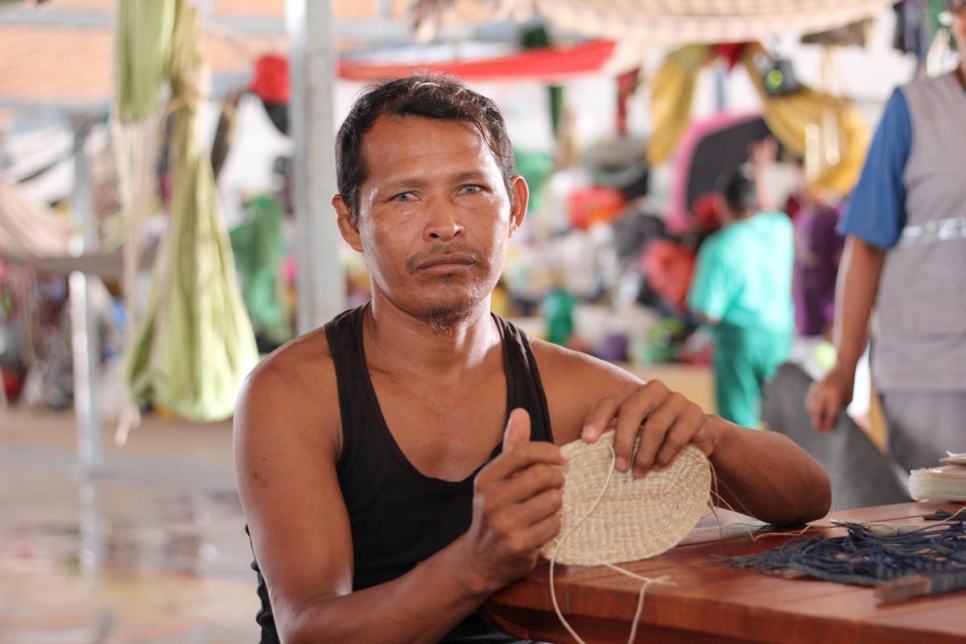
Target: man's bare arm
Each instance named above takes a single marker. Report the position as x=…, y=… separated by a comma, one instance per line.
x=760, y=473
x=767, y=475
x=763, y=474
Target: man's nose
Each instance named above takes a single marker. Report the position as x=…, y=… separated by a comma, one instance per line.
x=443, y=220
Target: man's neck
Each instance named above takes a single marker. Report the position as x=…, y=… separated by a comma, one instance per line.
x=398, y=341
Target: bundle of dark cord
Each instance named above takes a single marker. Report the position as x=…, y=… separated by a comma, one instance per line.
x=900, y=561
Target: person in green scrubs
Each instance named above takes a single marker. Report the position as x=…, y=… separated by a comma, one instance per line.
x=741, y=291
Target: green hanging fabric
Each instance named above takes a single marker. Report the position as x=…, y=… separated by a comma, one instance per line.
x=258, y=245
x=195, y=343
x=142, y=53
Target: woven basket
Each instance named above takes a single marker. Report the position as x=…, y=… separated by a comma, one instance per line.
x=635, y=518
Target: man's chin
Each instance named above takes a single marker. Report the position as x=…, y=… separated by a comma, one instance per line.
x=443, y=316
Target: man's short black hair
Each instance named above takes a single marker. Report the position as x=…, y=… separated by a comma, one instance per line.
x=738, y=191
x=433, y=96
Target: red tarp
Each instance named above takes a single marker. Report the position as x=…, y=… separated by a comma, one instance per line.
x=547, y=65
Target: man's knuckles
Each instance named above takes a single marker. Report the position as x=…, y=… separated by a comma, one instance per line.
x=535, y=479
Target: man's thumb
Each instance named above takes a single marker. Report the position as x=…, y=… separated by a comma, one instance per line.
x=517, y=429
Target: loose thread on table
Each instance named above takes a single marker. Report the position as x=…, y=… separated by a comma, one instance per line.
x=716, y=500
x=952, y=517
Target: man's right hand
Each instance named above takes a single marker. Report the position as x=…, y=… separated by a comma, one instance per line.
x=516, y=501
x=827, y=397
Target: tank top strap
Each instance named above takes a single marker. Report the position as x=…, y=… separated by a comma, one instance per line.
x=357, y=400
x=524, y=387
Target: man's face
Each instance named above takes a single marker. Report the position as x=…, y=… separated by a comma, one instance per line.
x=434, y=216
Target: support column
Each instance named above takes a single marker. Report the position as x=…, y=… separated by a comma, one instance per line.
x=312, y=68
x=85, y=343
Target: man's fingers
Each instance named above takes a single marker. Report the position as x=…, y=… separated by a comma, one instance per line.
x=666, y=432
x=601, y=416
x=538, y=506
x=514, y=477
x=519, y=452
x=656, y=433
x=517, y=429
x=812, y=404
x=651, y=411
x=822, y=406
x=516, y=500
x=530, y=534
x=543, y=529
x=648, y=414
x=827, y=414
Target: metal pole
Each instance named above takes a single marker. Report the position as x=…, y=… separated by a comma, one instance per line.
x=92, y=548
x=85, y=345
x=312, y=65
x=720, y=87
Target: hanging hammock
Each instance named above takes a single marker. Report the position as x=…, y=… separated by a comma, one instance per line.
x=27, y=228
x=194, y=343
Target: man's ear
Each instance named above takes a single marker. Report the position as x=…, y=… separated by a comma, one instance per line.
x=519, y=199
x=347, y=227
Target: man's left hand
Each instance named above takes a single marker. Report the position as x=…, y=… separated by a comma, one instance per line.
x=665, y=420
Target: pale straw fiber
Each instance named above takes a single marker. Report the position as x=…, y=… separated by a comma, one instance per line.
x=611, y=517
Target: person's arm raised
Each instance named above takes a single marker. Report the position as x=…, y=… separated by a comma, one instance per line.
x=286, y=451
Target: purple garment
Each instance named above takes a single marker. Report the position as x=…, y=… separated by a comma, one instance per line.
x=818, y=247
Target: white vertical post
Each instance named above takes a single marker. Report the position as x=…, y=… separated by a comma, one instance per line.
x=92, y=549
x=312, y=67
x=720, y=86
x=85, y=345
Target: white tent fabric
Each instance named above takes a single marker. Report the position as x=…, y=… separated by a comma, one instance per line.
x=27, y=228
x=673, y=22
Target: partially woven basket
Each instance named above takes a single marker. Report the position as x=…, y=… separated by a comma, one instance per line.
x=633, y=518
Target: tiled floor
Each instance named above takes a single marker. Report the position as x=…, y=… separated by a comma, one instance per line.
x=152, y=550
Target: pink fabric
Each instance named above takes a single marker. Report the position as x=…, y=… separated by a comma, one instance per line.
x=677, y=215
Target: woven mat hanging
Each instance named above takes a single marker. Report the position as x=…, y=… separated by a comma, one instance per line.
x=611, y=517
x=663, y=23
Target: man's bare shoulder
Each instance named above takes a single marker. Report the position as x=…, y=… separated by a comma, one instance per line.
x=292, y=390
x=573, y=383
x=561, y=365
x=303, y=362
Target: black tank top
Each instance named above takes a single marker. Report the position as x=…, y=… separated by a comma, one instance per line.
x=398, y=516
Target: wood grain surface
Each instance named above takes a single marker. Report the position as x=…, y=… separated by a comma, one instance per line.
x=710, y=601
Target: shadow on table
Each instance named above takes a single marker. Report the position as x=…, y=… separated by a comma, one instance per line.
x=862, y=475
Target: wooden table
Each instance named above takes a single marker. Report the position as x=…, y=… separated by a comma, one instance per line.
x=713, y=602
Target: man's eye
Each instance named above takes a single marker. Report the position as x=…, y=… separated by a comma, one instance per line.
x=471, y=190
x=404, y=197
